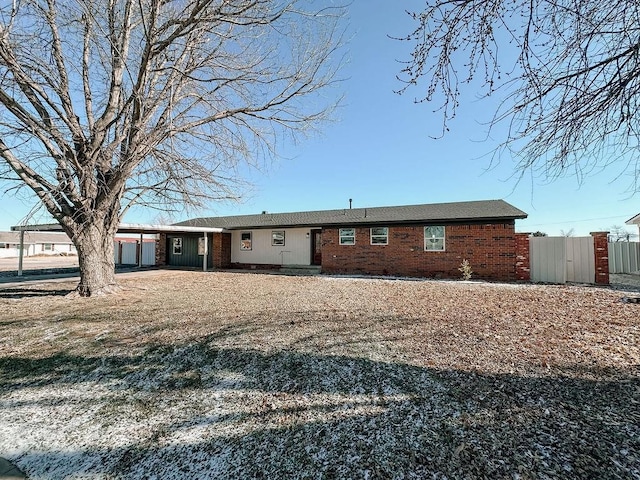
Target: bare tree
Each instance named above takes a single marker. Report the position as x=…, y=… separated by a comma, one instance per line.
x=567, y=73
x=109, y=103
x=618, y=233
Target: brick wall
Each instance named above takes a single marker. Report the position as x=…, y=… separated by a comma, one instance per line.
x=601, y=253
x=221, y=250
x=489, y=248
x=523, y=263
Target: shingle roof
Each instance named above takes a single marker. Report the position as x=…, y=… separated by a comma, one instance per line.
x=434, y=212
x=35, y=237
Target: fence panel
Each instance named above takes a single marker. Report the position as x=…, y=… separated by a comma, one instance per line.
x=581, y=266
x=548, y=259
x=148, y=253
x=129, y=253
x=624, y=257
x=562, y=259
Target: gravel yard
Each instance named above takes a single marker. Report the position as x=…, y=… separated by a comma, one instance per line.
x=231, y=375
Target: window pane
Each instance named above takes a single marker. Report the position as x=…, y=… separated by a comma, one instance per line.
x=347, y=236
x=379, y=240
x=435, y=231
x=434, y=244
x=379, y=231
x=177, y=246
x=277, y=238
x=245, y=241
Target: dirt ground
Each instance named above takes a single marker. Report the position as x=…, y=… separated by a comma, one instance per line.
x=241, y=375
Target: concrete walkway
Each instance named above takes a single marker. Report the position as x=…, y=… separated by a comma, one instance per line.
x=9, y=471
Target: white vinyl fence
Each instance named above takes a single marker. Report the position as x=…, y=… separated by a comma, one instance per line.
x=126, y=253
x=562, y=259
x=624, y=257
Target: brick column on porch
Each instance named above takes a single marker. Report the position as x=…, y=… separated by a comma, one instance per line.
x=523, y=264
x=221, y=250
x=161, y=250
x=601, y=254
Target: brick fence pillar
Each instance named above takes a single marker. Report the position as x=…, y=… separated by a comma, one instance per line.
x=523, y=265
x=601, y=253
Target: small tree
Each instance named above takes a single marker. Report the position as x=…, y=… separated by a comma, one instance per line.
x=109, y=103
x=465, y=269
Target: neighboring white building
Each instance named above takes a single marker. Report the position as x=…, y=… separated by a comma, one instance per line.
x=35, y=243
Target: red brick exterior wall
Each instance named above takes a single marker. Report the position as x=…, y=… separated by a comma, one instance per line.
x=489, y=248
x=523, y=263
x=601, y=253
x=221, y=250
x=161, y=250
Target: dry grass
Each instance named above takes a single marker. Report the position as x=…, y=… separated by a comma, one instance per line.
x=258, y=376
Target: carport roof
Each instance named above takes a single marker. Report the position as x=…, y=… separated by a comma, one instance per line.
x=124, y=228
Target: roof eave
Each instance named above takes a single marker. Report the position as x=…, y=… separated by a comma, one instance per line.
x=635, y=220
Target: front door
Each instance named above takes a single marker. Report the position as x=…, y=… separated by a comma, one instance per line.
x=316, y=247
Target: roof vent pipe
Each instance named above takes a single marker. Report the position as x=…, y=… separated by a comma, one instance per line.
x=350, y=200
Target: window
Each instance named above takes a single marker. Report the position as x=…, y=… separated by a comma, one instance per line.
x=347, y=236
x=245, y=241
x=177, y=246
x=379, y=236
x=4, y=245
x=434, y=239
x=277, y=238
x=46, y=247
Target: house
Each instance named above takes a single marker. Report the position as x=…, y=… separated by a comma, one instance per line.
x=428, y=240
x=35, y=243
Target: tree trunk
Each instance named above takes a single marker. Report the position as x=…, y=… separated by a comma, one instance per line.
x=94, y=244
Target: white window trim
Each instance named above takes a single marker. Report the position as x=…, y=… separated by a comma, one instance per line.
x=444, y=238
x=341, y=236
x=176, y=247
x=371, y=236
x=273, y=240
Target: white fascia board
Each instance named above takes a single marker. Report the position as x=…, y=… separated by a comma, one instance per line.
x=633, y=220
x=124, y=228
x=143, y=227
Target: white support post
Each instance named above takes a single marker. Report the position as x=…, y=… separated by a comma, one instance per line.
x=206, y=252
x=21, y=253
x=140, y=253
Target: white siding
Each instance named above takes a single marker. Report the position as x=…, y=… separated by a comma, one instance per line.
x=296, y=249
x=37, y=249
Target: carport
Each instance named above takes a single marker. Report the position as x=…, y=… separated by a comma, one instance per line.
x=130, y=228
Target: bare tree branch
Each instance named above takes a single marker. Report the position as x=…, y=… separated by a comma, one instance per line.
x=567, y=73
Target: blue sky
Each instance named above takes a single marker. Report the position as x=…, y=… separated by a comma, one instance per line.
x=379, y=151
